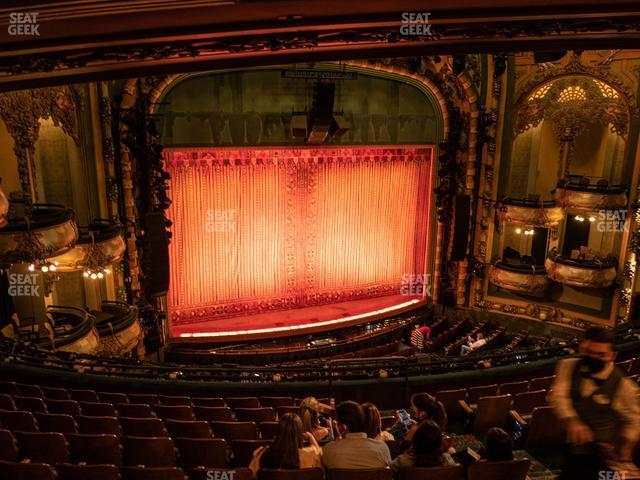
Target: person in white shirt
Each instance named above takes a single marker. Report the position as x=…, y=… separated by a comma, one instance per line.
x=473, y=345
x=354, y=449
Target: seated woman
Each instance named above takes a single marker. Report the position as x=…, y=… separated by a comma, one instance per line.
x=498, y=446
x=374, y=423
x=423, y=407
x=310, y=410
x=426, y=449
x=287, y=450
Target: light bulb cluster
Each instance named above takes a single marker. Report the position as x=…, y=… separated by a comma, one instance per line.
x=580, y=218
x=97, y=274
x=530, y=231
x=44, y=267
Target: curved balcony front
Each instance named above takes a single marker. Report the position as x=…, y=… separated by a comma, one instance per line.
x=119, y=328
x=581, y=273
x=107, y=237
x=519, y=278
x=49, y=230
x=533, y=213
x=580, y=194
x=4, y=209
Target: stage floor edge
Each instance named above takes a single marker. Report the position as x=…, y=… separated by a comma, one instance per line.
x=294, y=322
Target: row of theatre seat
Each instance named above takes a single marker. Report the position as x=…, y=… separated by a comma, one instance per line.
x=512, y=470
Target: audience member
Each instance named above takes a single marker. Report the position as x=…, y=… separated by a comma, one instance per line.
x=374, y=423
x=287, y=450
x=498, y=446
x=426, y=449
x=310, y=410
x=354, y=449
x=472, y=344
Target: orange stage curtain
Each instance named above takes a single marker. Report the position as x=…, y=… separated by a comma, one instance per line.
x=263, y=229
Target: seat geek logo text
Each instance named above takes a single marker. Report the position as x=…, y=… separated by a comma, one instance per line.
x=24, y=24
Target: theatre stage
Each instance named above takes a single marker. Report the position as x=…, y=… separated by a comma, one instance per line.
x=298, y=321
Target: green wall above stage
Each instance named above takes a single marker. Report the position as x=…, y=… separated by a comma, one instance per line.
x=254, y=107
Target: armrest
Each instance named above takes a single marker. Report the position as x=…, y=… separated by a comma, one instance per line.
x=516, y=416
x=465, y=407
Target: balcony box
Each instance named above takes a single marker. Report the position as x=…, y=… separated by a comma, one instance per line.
x=533, y=213
x=519, y=278
x=584, y=196
x=581, y=273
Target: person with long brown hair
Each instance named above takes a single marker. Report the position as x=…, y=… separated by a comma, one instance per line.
x=287, y=450
x=310, y=413
x=374, y=423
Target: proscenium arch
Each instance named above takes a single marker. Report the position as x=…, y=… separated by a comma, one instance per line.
x=424, y=85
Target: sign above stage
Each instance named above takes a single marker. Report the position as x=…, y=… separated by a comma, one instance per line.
x=319, y=75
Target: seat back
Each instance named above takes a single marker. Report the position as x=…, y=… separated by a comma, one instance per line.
x=113, y=397
x=360, y=474
x=53, y=393
x=512, y=470
x=243, y=402
x=27, y=390
x=513, y=388
x=188, y=428
x=143, y=427
x=56, y=422
x=174, y=412
x=243, y=450
x=84, y=395
x=67, y=407
x=136, y=410
x=98, y=409
x=96, y=449
x=545, y=430
x=298, y=474
x=208, y=402
x=524, y=403
x=492, y=412
x=275, y=402
x=475, y=393
x=148, y=451
x=98, y=425
x=282, y=410
x=263, y=414
x=18, y=421
x=162, y=473
x=43, y=447
x=202, y=452
x=69, y=471
x=268, y=430
x=30, y=404
x=450, y=401
x=8, y=447
x=174, y=400
x=541, y=383
x=433, y=473
x=26, y=471
x=213, y=414
x=143, y=398
x=235, y=430
x=6, y=402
